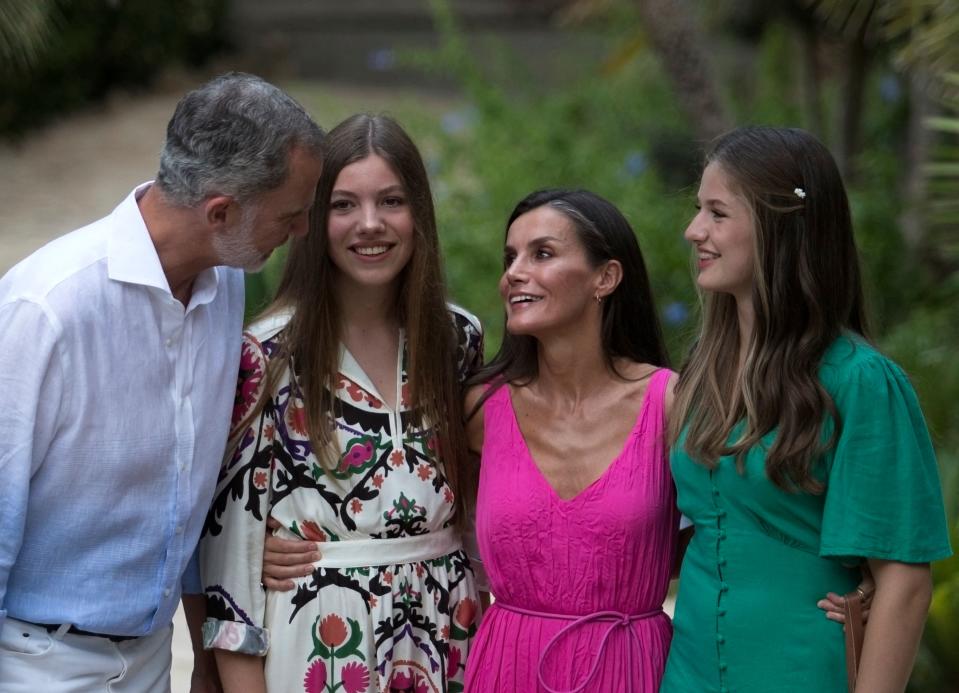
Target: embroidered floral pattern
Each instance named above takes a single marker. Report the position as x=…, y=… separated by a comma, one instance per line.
x=404, y=627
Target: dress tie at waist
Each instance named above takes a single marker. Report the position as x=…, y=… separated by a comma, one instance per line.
x=613, y=618
x=366, y=553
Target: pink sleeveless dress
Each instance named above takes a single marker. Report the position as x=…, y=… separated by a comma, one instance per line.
x=579, y=584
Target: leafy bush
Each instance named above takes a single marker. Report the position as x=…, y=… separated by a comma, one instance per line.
x=97, y=45
x=621, y=135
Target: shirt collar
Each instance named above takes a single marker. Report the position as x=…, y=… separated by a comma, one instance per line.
x=132, y=258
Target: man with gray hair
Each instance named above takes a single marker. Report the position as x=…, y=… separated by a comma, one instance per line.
x=119, y=349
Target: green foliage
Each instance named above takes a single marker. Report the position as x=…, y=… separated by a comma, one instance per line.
x=97, y=45
x=26, y=27
x=620, y=135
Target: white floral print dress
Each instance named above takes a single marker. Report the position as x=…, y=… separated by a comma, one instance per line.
x=390, y=624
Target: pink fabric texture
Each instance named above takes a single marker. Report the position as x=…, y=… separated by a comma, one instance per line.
x=579, y=583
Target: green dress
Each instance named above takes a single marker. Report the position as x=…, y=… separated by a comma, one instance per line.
x=746, y=617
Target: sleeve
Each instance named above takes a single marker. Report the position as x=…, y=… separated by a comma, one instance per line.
x=883, y=495
x=231, y=547
x=469, y=343
x=32, y=368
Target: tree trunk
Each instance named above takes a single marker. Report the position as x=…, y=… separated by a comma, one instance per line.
x=850, y=126
x=919, y=141
x=923, y=234
x=812, y=80
x=677, y=41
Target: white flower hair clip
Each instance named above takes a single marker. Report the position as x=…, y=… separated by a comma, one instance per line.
x=800, y=193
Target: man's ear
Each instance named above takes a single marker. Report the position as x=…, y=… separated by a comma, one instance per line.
x=609, y=278
x=220, y=211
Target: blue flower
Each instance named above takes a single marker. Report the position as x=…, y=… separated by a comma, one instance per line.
x=890, y=90
x=635, y=164
x=381, y=60
x=455, y=122
x=675, y=313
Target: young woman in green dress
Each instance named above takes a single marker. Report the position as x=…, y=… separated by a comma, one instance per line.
x=799, y=451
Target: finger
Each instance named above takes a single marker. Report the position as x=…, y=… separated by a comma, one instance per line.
x=277, y=545
x=272, y=523
x=829, y=606
x=287, y=572
x=831, y=602
x=278, y=585
x=290, y=559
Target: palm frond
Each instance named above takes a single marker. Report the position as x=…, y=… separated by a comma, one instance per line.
x=26, y=27
x=848, y=17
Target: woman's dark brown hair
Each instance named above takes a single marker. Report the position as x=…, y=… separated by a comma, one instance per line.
x=630, y=326
x=308, y=287
x=806, y=290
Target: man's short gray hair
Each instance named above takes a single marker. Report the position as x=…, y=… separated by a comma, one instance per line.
x=233, y=136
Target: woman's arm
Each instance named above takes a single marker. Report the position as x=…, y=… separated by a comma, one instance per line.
x=205, y=678
x=685, y=533
x=474, y=424
x=899, y=608
x=240, y=673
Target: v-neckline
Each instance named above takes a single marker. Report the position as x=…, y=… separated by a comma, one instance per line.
x=607, y=470
x=351, y=368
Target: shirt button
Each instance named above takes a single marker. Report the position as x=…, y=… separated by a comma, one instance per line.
x=724, y=587
x=169, y=342
x=715, y=491
x=722, y=534
x=722, y=666
x=721, y=612
x=166, y=593
x=179, y=529
x=721, y=514
x=721, y=562
x=720, y=639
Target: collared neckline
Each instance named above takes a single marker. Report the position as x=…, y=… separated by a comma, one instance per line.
x=132, y=258
x=350, y=367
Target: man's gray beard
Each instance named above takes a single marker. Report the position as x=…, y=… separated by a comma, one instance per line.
x=236, y=248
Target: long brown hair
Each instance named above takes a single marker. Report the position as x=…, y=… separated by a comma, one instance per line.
x=630, y=327
x=806, y=290
x=307, y=287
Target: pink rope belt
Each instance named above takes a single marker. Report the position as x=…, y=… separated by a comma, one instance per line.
x=615, y=620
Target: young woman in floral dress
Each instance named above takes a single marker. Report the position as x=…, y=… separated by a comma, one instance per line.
x=347, y=431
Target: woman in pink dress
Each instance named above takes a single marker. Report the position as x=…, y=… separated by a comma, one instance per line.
x=576, y=517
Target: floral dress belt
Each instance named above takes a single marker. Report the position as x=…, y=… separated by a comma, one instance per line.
x=365, y=553
x=615, y=619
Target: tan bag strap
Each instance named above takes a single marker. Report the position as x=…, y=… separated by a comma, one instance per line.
x=855, y=634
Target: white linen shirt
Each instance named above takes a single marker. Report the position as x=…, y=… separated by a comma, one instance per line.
x=115, y=405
